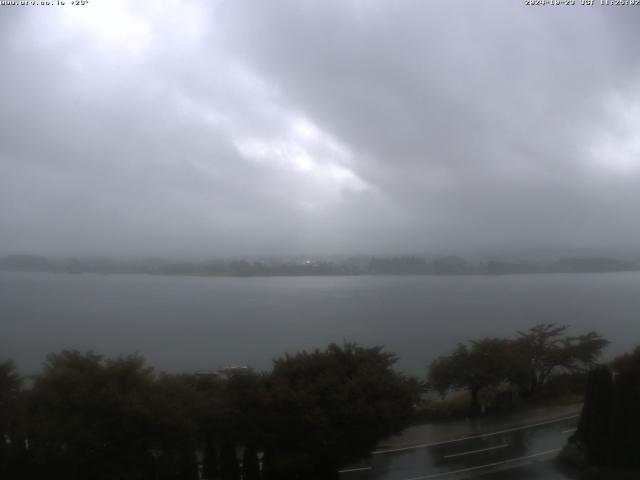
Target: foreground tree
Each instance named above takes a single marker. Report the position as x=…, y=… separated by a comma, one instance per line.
x=625, y=421
x=11, y=420
x=527, y=362
x=482, y=364
x=250, y=463
x=210, y=470
x=175, y=434
x=112, y=419
x=327, y=408
x=90, y=420
x=608, y=430
x=229, y=467
x=96, y=418
x=595, y=422
x=545, y=350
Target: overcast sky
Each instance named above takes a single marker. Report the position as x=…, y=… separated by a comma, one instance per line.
x=210, y=128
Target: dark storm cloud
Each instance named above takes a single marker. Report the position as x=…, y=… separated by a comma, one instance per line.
x=259, y=127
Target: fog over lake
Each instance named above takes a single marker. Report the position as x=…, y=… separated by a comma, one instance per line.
x=196, y=323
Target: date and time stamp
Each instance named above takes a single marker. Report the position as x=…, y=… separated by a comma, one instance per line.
x=528, y=3
x=583, y=3
x=43, y=3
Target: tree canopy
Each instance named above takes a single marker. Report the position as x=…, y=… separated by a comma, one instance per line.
x=88, y=416
x=610, y=420
x=526, y=362
x=11, y=426
x=481, y=364
x=328, y=407
x=546, y=349
x=92, y=417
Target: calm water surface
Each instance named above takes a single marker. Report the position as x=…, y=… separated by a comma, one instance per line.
x=192, y=323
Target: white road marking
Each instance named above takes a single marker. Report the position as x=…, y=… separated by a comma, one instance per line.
x=472, y=437
x=488, y=465
x=570, y=430
x=470, y=452
x=360, y=469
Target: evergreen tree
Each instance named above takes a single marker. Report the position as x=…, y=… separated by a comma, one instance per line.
x=610, y=420
x=594, y=429
x=625, y=447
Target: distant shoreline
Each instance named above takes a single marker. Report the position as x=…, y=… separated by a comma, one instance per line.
x=307, y=275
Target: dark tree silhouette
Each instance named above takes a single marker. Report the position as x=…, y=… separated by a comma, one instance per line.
x=210, y=470
x=108, y=419
x=250, y=464
x=610, y=420
x=527, y=362
x=625, y=447
x=12, y=416
x=326, y=408
x=484, y=363
x=545, y=350
x=229, y=467
x=595, y=422
x=87, y=416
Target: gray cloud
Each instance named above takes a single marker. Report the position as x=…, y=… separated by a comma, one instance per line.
x=215, y=128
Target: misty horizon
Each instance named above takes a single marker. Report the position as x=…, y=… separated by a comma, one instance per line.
x=473, y=255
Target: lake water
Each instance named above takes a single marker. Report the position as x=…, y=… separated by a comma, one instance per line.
x=194, y=323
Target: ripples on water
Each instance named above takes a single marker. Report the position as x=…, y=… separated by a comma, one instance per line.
x=195, y=323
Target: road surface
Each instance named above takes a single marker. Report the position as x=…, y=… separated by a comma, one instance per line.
x=512, y=453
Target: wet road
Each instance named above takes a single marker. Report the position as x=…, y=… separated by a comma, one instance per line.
x=520, y=452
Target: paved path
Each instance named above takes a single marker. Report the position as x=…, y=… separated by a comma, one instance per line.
x=446, y=430
x=515, y=452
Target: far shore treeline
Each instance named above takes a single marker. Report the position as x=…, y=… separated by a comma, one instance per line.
x=88, y=416
x=304, y=266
